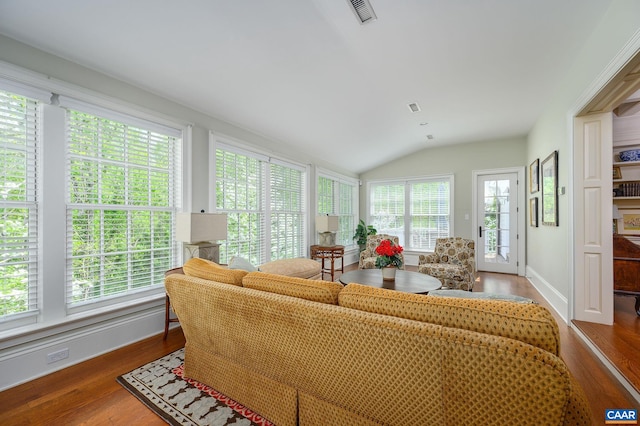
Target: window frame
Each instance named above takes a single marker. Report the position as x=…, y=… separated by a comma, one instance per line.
x=52, y=313
x=407, y=216
x=32, y=201
x=175, y=203
x=265, y=251
x=347, y=221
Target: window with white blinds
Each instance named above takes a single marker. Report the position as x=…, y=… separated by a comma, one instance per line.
x=430, y=213
x=287, y=212
x=417, y=211
x=337, y=197
x=265, y=203
x=123, y=185
x=239, y=184
x=19, y=138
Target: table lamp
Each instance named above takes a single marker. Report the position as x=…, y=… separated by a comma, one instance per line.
x=200, y=232
x=616, y=217
x=326, y=227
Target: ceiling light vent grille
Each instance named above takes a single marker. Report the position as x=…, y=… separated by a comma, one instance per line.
x=414, y=107
x=363, y=10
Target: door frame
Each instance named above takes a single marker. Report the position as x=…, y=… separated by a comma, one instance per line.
x=617, y=82
x=521, y=210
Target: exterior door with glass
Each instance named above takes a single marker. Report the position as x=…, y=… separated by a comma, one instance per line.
x=497, y=209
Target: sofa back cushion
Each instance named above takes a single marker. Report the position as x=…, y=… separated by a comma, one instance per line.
x=202, y=268
x=390, y=370
x=529, y=323
x=314, y=290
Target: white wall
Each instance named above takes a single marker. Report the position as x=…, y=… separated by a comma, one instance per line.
x=549, y=249
x=460, y=160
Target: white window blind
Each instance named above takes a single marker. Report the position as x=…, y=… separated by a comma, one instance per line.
x=336, y=197
x=417, y=211
x=19, y=138
x=287, y=212
x=387, y=209
x=239, y=184
x=123, y=186
x=430, y=213
x=265, y=203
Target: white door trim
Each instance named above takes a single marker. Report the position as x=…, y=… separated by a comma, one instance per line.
x=521, y=192
x=614, y=67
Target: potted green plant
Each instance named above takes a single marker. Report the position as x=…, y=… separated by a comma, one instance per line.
x=362, y=232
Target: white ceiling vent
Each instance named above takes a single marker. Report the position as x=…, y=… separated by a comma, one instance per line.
x=363, y=10
x=414, y=107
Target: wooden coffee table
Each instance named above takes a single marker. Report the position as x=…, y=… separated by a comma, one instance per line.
x=407, y=281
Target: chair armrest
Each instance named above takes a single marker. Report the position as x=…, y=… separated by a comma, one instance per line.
x=470, y=266
x=366, y=253
x=428, y=258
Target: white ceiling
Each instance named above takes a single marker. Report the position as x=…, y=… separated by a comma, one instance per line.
x=306, y=73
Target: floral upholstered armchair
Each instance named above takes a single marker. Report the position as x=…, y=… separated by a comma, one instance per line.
x=368, y=255
x=452, y=262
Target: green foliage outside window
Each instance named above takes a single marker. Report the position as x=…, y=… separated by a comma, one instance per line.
x=121, y=206
x=17, y=204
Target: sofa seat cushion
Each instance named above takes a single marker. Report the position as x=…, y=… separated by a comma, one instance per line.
x=299, y=267
x=314, y=290
x=529, y=323
x=202, y=268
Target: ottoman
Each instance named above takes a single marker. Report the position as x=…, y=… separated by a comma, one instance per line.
x=299, y=267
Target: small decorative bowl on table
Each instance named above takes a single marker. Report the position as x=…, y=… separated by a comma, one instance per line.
x=630, y=155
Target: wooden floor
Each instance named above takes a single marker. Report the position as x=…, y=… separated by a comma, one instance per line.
x=88, y=393
x=620, y=342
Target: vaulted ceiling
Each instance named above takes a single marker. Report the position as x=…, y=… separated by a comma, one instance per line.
x=308, y=74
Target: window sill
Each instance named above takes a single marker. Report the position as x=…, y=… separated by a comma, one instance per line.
x=75, y=322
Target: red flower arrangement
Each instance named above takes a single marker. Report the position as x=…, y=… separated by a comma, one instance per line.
x=388, y=254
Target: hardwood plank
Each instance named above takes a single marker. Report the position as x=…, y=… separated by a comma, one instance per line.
x=88, y=393
x=620, y=342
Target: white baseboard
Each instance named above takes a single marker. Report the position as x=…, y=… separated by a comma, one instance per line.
x=557, y=301
x=28, y=361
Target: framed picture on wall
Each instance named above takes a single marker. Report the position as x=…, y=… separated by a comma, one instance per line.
x=533, y=212
x=617, y=173
x=549, y=183
x=534, y=176
x=629, y=222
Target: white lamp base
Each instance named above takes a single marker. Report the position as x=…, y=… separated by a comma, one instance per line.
x=327, y=238
x=206, y=250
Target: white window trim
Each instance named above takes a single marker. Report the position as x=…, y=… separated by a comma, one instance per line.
x=53, y=311
x=34, y=287
x=231, y=144
x=105, y=303
x=407, y=181
x=320, y=172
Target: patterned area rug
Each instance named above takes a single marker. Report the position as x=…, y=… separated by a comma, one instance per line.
x=162, y=387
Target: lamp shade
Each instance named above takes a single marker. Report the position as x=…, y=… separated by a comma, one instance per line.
x=616, y=212
x=326, y=223
x=198, y=227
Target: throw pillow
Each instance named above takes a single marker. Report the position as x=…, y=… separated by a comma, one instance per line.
x=202, y=268
x=298, y=267
x=238, y=262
